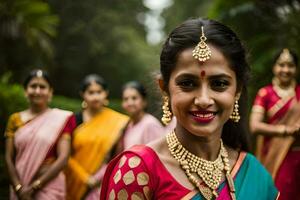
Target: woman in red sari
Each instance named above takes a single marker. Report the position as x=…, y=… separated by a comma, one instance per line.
x=275, y=118
x=38, y=144
x=204, y=77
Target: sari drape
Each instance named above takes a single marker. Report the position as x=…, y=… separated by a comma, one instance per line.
x=138, y=172
x=32, y=143
x=91, y=143
x=285, y=111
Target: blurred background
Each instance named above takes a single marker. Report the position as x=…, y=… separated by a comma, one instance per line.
x=121, y=41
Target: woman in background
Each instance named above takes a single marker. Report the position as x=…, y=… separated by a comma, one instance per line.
x=275, y=118
x=38, y=144
x=142, y=127
x=98, y=129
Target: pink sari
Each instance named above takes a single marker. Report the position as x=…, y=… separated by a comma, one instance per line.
x=32, y=143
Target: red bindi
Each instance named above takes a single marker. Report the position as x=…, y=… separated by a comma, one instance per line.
x=202, y=73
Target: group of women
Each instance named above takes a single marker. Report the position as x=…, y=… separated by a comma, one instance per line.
x=55, y=154
x=204, y=77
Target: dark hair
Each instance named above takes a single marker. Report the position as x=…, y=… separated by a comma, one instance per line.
x=187, y=35
x=37, y=73
x=293, y=54
x=89, y=79
x=137, y=86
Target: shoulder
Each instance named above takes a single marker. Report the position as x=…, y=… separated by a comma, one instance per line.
x=13, y=123
x=115, y=113
x=14, y=117
x=255, y=174
x=58, y=111
x=256, y=168
x=151, y=120
x=128, y=175
x=264, y=91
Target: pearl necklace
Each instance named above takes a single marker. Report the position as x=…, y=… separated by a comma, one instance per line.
x=209, y=171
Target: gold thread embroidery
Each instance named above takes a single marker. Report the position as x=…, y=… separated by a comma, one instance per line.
x=137, y=196
x=112, y=195
x=143, y=178
x=147, y=192
x=122, y=161
x=117, y=176
x=134, y=162
x=122, y=195
x=128, y=178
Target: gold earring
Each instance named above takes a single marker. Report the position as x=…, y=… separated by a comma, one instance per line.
x=202, y=51
x=83, y=104
x=167, y=115
x=235, y=116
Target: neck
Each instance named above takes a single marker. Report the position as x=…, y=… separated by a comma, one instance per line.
x=36, y=109
x=92, y=112
x=137, y=117
x=204, y=147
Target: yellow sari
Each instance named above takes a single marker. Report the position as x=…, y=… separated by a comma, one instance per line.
x=92, y=141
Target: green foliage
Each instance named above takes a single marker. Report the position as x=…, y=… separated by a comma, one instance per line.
x=26, y=28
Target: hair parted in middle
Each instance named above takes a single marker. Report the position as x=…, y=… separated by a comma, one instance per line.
x=187, y=35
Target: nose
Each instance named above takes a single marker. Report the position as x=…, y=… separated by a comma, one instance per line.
x=203, y=98
x=37, y=89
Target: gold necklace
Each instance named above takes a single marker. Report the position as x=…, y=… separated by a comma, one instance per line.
x=284, y=92
x=209, y=171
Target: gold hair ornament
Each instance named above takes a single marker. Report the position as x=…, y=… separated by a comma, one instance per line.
x=39, y=73
x=285, y=56
x=202, y=52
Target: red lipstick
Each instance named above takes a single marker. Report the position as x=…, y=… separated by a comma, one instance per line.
x=203, y=116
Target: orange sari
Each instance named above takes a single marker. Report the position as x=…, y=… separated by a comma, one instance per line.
x=92, y=142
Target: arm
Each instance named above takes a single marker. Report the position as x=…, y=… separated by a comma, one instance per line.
x=258, y=126
x=63, y=151
x=9, y=159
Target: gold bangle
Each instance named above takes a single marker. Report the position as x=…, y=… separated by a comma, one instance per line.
x=18, y=187
x=36, y=185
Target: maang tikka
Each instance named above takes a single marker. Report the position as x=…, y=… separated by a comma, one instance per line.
x=202, y=52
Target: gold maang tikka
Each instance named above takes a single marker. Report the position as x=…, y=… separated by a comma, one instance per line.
x=285, y=56
x=202, y=51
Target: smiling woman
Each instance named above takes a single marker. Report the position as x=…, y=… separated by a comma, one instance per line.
x=38, y=143
x=204, y=77
x=279, y=104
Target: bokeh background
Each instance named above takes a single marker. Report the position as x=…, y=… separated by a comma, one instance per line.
x=121, y=41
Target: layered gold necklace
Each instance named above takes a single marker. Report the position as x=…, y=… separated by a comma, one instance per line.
x=209, y=171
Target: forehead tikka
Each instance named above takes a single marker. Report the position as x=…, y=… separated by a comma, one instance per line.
x=202, y=51
x=285, y=56
x=39, y=73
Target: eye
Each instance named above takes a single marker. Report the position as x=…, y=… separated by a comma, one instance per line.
x=187, y=84
x=219, y=84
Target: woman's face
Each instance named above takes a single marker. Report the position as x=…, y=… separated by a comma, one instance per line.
x=202, y=95
x=38, y=91
x=95, y=96
x=285, y=72
x=132, y=102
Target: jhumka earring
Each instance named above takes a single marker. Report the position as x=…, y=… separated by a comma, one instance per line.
x=235, y=115
x=202, y=51
x=167, y=115
x=83, y=104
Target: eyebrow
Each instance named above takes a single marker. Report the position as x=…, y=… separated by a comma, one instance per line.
x=193, y=76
